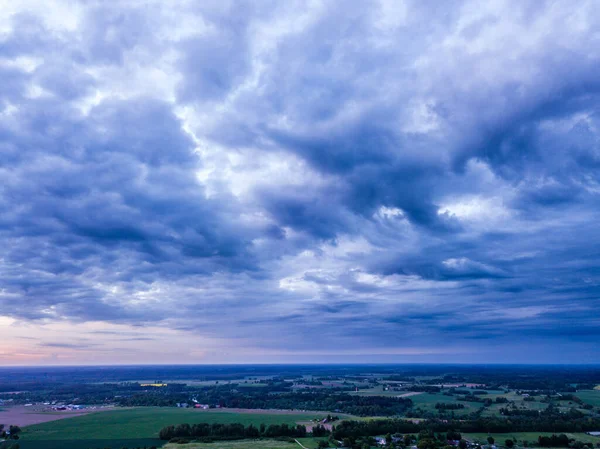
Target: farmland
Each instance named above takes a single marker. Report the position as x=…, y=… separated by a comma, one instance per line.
x=591, y=397
x=378, y=391
x=350, y=402
x=147, y=422
x=427, y=402
x=90, y=444
x=246, y=444
x=309, y=443
x=26, y=416
x=530, y=437
x=139, y=427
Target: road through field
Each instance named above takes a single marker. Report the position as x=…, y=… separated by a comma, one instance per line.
x=301, y=445
x=410, y=393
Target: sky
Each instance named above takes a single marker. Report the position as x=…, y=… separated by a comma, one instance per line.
x=309, y=181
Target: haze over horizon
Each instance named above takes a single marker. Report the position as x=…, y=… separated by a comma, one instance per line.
x=299, y=182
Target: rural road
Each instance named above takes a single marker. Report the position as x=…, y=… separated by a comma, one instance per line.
x=412, y=393
x=301, y=445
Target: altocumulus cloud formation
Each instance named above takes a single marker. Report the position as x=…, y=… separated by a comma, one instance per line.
x=299, y=181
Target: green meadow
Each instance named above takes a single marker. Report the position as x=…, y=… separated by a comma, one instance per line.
x=131, y=443
x=377, y=391
x=427, y=402
x=530, y=437
x=244, y=444
x=591, y=397
x=137, y=427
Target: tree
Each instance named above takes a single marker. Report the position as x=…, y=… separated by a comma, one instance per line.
x=490, y=440
x=452, y=435
x=319, y=431
x=509, y=443
x=166, y=433
x=427, y=443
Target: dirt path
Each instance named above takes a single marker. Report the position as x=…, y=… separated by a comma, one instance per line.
x=411, y=393
x=301, y=445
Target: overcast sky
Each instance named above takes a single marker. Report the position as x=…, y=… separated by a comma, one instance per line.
x=299, y=181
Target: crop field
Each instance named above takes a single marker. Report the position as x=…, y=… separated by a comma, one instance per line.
x=591, y=397
x=525, y=436
x=140, y=426
x=27, y=416
x=427, y=401
x=130, y=443
x=378, y=391
x=310, y=443
x=244, y=444
x=210, y=383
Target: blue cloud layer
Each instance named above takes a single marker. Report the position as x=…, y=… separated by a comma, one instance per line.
x=393, y=177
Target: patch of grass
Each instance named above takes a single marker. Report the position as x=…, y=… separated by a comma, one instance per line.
x=311, y=443
x=241, y=444
x=90, y=444
x=377, y=391
x=526, y=436
x=145, y=422
x=431, y=399
x=591, y=397
x=427, y=401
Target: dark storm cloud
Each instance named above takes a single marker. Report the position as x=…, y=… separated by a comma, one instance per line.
x=383, y=175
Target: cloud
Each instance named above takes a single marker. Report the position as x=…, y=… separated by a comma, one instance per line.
x=256, y=174
x=68, y=345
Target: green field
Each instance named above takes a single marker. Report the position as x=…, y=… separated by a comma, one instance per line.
x=91, y=444
x=427, y=401
x=134, y=443
x=526, y=436
x=591, y=397
x=208, y=383
x=244, y=444
x=310, y=443
x=140, y=424
x=377, y=391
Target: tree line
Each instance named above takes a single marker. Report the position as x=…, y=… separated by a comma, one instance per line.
x=553, y=423
x=306, y=400
x=234, y=431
